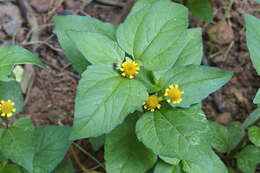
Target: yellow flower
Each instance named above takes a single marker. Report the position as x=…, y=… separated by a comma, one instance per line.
x=7, y=108
x=129, y=69
x=173, y=94
x=152, y=103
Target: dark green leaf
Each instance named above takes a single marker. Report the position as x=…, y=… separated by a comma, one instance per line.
x=253, y=39
x=248, y=158
x=162, y=167
x=98, y=142
x=17, y=143
x=51, y=145
x=257, y=97
x=254, y=135
x=252, y=118
x=201, y=9
x=64, y=167
x=11, y=168
x=154, y=35
x=109, y=98
x=124, y=153
x=169, y=160
x=79, y=23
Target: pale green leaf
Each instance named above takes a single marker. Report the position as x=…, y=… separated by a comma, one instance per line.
x=196, y=81
x=124, y=153
x=236, y=133
x=11, y=55
x=253, y=39
x=252, y=118
x=201, y=9
x=11, y=90
x=254, y=135
x=97, y=48
x=248, y=158
x=162, y=167
x=148, y=80
x=51, y=145
x=154, y=35
x=177, y=133
x=109, y=98
x=169, y=160
x=79, y=23
x=257, y=97
x=65, y=166
x=17, y=143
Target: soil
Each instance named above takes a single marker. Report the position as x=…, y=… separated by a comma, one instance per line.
x=51, y=97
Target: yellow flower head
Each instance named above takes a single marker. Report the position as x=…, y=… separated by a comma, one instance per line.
x=152, y=103
x=7, y=108
x=129, y=69
x=173, y=94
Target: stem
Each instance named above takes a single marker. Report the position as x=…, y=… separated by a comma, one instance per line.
x=88, y=154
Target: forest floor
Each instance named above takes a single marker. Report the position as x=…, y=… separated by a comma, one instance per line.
x=50, y=98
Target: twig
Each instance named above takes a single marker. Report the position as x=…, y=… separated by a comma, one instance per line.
x=88, y=154
x=110, y=3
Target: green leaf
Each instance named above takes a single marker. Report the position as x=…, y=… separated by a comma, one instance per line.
x=254, y=135
x=252, y=118
x=12, y=90
x=177, y=133
x=148, y=80
x=11, y=168
x=257, y=98
x=98, y=142
x=257, y=1
x=17, y=143
x=11, y=55
x=201, y=9
x=225, y=138
x=209, y=163
x=65, y=166
x=109, y=98
x=253, y=39
x=51, y=145
x=162, y=167
x=248, y=158
x=193, y=51
x=97, y=48
x=169, y=160
x=124, y=153
x=196, y=81
x=154, y=35
x=79, y=23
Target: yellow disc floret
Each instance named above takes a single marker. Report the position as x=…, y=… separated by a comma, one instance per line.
x=129, y=69
x=152, y=103
x=7, y=108
x=173, y=94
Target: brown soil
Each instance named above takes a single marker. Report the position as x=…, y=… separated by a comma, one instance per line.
x=51, y=98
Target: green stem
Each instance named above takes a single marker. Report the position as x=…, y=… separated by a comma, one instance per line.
x=88, y=154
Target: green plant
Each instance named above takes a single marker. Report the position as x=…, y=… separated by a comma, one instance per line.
x=141, y=86
x=24, y=147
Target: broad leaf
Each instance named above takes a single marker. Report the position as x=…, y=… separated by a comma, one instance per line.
x=254, y=135
x=252, y=118
x=193, y=51
x=10, y=168
x=11, y=55
x=169, y=160
x=17, y=143
x=79, y=23
x=98, y=142
x=64, y=167
x=225, y=138
x=154, y=35
x=196, y=81
x=12, y=90
x=124, y=153
x=201, y=9
x=248, y=158
x=177, y=133
x=51, y=145
x=103, y=100
x=253, y=39
x=257, y=97
x=97, y=48
x=162, y=167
